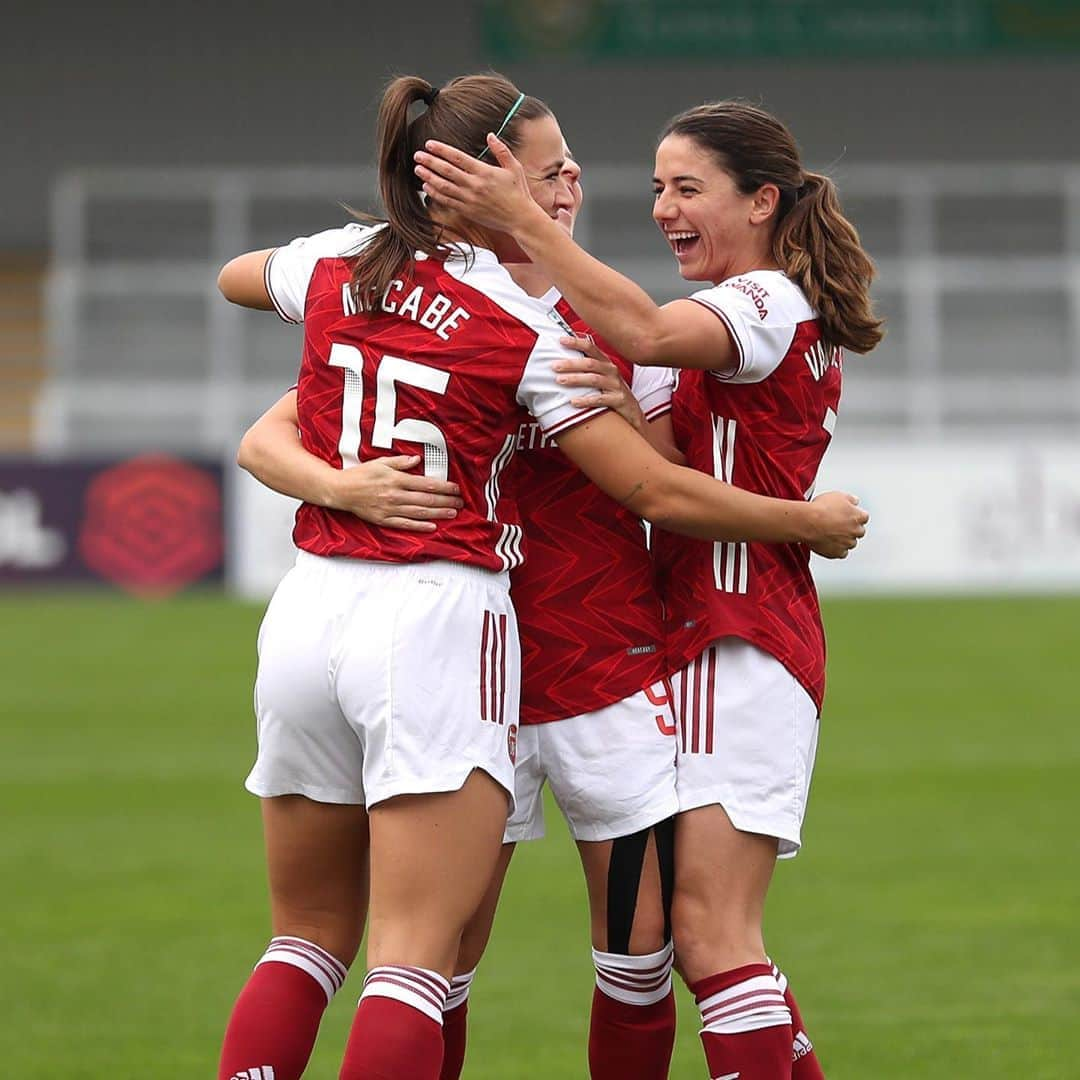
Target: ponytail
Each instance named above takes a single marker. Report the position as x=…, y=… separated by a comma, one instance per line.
x=819, y=250
x=460, y=114
x=409, y=229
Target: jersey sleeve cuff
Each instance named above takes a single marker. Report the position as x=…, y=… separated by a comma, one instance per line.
x=572, y=420
x=282, y=314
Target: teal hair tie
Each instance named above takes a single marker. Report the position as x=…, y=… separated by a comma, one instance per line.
x=506, y=120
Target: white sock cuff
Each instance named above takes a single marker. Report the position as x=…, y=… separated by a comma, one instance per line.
x=747, y=1006
x=326, y=970
x=635, y=980
x=459, y=990
x=423, y=990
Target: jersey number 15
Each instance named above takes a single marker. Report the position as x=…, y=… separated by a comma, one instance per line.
x=389, y=371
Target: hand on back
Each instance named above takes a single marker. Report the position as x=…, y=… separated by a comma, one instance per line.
x=383, y=492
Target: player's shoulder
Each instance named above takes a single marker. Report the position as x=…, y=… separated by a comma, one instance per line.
x=771, y=295
x=339, y=242
x=480, y=270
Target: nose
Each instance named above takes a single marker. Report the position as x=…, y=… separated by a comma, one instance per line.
x=663, y=208
x=564, y=193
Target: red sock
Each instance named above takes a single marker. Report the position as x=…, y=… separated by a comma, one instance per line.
x=804, y=1062
x=631, y=1040
x=632, y=1032
x=746, y=1027
x=397, y=1030
x=276, y=1018
x=455, y=1030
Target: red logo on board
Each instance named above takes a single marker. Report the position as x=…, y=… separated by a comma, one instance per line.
x=152, y=525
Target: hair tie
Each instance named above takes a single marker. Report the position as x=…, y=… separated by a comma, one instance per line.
x=429, y=97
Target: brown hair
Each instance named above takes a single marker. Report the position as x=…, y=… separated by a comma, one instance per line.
x=461, y=114
x=815, y=244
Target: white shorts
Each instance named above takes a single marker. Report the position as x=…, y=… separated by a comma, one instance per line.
x=747, y=738
x=384, y=679
x=612, y=771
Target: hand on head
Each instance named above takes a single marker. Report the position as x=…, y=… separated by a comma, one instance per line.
x=497, y=195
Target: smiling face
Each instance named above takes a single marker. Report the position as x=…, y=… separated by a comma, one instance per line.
x=552, y=175
x=713, y=230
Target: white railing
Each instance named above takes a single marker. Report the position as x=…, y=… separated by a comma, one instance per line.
x=910, y=386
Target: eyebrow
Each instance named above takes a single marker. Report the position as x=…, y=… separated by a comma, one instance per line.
x=679, y=179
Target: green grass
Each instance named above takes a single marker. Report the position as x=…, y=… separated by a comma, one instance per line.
x=930, y=927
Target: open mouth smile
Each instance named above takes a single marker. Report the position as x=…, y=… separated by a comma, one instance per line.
x=683, y=243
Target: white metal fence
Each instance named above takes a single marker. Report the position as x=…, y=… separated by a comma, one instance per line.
x=979, y=278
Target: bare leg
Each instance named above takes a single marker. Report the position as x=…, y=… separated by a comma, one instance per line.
x=474, y=941
x=432, y=861
x=317, y=858
x=722, y=877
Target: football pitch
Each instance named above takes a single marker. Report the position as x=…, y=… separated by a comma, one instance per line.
x=931, y=927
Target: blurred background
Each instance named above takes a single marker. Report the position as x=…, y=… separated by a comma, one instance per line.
x=146, y=145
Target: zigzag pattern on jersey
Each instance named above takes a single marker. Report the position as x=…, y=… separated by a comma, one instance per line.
x=589, y=617
x=781, y=440
x=477, y=414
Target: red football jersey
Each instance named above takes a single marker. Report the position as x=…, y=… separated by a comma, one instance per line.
x=445, y=368
x=763, y=427
x=588, y=612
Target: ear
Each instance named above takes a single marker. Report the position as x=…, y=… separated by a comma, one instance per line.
x=765, y=203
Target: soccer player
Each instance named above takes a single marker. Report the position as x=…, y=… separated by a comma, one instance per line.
x=387, y=686
x=756, y=401
x=591, y=632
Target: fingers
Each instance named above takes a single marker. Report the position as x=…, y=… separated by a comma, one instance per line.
x=450, y=156
x=609, y=399
x=429, y=167
x=500, y=151
x=587, y=378
x=402, y=461
x=419, y=512
x=409, y=526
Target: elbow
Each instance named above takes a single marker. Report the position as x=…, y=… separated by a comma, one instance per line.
x=657, y=504
x=647, y=349
x=225, y=282
x=246, y=453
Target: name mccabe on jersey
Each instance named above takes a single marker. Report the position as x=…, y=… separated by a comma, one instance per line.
x=437, y=313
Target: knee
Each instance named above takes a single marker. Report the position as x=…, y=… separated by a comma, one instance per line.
x=689, y=935
x=649, y=933
x=338, y=934
x=710, y=938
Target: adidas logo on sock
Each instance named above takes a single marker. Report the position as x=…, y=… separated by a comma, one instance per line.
x=801, y=1046
x=260, y=1072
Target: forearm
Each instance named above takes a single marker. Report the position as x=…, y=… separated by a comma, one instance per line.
x=610, y=303
x=686, y=501
x=622, y=464
x=276, y=458
x=661, y=437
